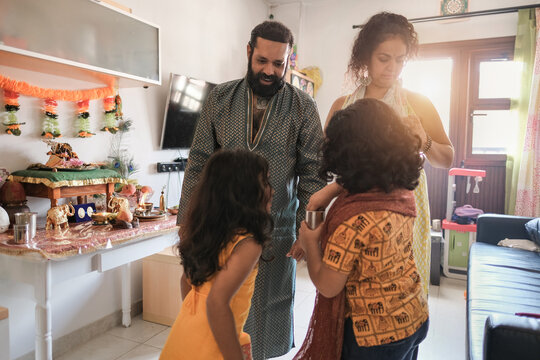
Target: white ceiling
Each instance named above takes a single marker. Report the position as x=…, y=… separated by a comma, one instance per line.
x=284, y=2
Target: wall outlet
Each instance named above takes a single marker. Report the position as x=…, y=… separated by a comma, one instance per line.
x=171, y=166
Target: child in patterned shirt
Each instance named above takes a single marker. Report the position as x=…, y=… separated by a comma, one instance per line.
x=365, y=266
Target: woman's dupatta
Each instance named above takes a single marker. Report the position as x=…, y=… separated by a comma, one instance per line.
x=324, y=339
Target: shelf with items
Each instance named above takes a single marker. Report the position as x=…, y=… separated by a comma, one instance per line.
x=458, y=238
x=301, y=81
x=95, y=43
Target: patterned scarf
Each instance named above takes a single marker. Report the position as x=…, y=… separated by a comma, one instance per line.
x=324, y=339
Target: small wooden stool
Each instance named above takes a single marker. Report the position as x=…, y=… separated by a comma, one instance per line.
x=4, y=333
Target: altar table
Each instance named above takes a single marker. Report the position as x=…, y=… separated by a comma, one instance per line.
x=55, y=185
x=62, y=254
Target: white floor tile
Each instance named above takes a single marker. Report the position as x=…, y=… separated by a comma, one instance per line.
x=142, y=352
x=139, y=331
x=159, y=340
x=445, y=339
x=103, y=347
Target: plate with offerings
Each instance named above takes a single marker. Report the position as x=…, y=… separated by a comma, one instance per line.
x=154, y=215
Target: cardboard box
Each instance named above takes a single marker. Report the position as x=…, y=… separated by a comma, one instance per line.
x=161, y=287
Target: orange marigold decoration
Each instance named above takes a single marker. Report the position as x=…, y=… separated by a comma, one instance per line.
x=51, y=128
x=109, y=119
x=23, y=88
x=11, y=104
x=83, y=121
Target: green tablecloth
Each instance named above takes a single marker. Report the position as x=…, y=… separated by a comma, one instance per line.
x=67, y=178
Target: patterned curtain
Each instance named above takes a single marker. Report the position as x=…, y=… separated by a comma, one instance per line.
x=524, y=52
x=528, y=185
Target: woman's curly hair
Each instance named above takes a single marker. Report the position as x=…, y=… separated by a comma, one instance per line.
x=230, y=199
x=378, y=29
x=368, y=147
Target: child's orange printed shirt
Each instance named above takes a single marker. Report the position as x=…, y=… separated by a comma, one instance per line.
x=384, y=294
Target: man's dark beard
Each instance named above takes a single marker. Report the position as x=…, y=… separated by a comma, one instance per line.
x=254, y=81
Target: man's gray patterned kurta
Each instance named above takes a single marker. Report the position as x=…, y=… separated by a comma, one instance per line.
x=290, y=137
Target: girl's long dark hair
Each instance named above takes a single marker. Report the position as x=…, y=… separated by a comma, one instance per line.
x=230, y=199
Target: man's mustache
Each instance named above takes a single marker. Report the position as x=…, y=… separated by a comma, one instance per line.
x=263, y=76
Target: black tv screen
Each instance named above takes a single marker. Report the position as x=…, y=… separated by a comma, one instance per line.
x=184, y=104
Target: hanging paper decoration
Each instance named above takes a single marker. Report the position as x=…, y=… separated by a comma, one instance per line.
x=51, y=129
x=109, y=119
x=83, y=122
x=11, y=104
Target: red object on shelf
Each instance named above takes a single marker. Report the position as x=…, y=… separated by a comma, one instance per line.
x=450, y=225
x=12, y=193
x=467, y=172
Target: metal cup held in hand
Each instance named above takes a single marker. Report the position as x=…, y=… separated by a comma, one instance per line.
x=314, y=218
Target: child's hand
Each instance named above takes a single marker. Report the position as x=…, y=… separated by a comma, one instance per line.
x=308, y=238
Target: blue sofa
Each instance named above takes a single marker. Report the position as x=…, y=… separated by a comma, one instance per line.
x=502, y=282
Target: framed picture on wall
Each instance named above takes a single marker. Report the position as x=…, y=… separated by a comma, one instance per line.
x=301, y=81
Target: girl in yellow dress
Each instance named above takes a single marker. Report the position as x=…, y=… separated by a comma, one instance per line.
x=221, y=241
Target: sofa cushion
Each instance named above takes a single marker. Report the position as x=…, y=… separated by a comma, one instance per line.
x=533, y=229
x=500, y=281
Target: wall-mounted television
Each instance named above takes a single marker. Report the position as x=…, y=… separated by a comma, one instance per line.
x=182, y=110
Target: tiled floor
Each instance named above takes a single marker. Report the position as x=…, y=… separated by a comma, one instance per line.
x=144, y=340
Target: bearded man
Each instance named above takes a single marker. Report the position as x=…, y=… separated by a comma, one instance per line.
x=266, y=115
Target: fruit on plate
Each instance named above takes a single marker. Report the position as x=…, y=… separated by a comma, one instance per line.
x=146, y=189
x=128, y=190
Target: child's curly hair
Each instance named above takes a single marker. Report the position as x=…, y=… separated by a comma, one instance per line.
x=367, y=147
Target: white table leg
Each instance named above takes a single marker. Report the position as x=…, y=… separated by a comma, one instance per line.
x=42, y=292
x=126, y=294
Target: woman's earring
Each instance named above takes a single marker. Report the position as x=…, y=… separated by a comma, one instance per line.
x=365, y=80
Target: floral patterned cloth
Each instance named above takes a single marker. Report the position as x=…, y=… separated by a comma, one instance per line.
x=528, y=186
x=83, y=238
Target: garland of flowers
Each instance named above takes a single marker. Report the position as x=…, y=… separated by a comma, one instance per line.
x=83, y=123
x=51, y=130
x=24, y=88
x=109, y=119
x=13, y=88
x=11, y=104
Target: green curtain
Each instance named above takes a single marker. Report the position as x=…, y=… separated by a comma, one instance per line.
x=524, y=52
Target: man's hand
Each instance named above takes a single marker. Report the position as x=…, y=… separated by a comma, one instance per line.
x=296, y=251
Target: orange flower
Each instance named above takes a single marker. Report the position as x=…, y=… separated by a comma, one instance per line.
x=51, y=109
x=51, y=102
x=48, y=135
x=10, y=101
x=10, y=94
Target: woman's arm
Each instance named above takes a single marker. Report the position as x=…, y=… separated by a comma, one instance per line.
x=327, y=281
x=321, y=199
x=337, y=105
x=441, y=152
x=243, y=259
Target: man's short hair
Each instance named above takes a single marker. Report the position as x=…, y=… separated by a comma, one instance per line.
x=273, y=31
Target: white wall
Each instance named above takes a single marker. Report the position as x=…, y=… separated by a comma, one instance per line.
x=326, y=32
x=202, y=38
